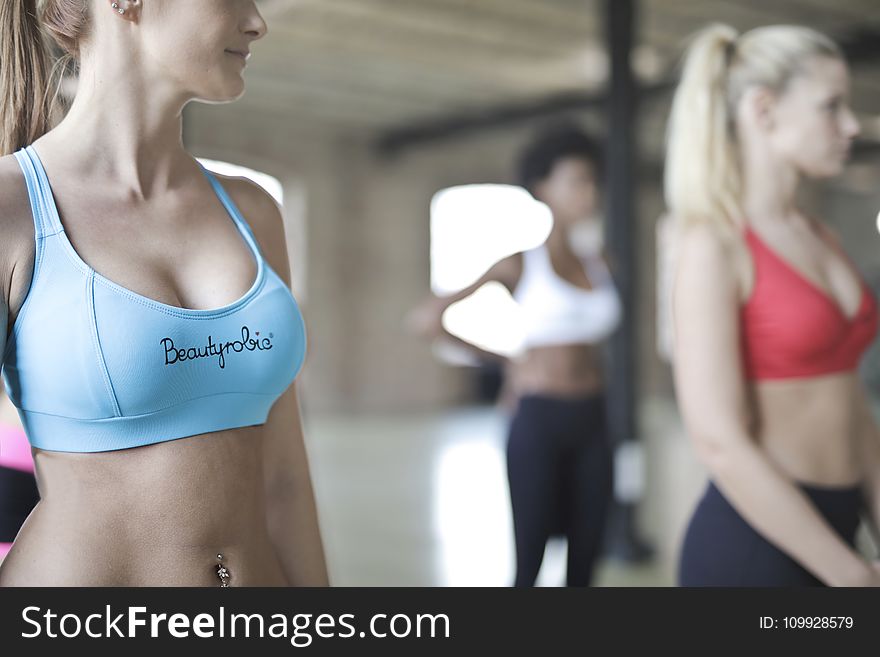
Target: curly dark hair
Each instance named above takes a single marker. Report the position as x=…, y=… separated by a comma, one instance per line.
x=552, y=143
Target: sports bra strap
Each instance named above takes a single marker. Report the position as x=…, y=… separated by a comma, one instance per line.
x=232, y=209
x=46, y=221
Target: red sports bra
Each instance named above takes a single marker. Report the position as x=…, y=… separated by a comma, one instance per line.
x=791, y=328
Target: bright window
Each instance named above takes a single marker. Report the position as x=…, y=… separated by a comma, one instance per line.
x=264, y=180
x=473, y=227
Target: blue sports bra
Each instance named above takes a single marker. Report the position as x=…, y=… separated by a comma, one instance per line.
x=92, y=366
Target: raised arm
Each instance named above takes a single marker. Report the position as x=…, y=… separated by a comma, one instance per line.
x=712, y=396
x=427, y=318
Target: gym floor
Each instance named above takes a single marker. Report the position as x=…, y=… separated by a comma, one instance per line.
x=422, y=500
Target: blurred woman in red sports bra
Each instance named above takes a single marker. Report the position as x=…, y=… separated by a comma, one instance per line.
x=770, y=317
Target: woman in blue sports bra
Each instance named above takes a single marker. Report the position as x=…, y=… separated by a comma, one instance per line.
x=152, y=341
x=559, y=460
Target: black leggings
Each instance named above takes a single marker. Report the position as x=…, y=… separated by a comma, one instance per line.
x=18, y=497
x=560, y=473
x=721, y=549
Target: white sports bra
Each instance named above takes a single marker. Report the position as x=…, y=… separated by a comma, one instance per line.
x=557, y=312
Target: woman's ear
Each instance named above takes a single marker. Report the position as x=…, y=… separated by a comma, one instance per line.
x=127, y=10
x=759, y=108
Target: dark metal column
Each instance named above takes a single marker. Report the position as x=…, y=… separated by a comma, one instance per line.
x=621, y=185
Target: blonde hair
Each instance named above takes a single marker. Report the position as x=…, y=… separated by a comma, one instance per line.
x=703, y=179
x=26, y=71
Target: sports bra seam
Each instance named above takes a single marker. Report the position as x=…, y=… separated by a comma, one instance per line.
x=159, y=410
x=96, y=343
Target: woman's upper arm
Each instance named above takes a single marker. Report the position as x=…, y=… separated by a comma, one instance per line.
x=506, y=271
x=12, y=203
x=708, y=371
x=17, y=240
x=284, y=450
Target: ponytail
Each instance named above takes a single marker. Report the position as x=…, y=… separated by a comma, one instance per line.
x=702, y=175
x=25, y=71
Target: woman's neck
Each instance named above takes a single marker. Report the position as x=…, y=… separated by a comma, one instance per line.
x=769, y=189
x=123, y=129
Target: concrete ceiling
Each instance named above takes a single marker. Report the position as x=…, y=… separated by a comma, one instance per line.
x=380, y=65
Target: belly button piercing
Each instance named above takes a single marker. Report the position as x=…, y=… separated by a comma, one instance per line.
x=222, y=572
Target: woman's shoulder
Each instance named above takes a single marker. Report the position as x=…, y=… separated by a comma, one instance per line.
x=704, y=240
x=13, y=190
x=264, y=216
x=717, y=254
x=256, y=204
x=16, y=218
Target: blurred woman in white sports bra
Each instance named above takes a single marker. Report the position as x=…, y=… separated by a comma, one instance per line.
x=559, y=459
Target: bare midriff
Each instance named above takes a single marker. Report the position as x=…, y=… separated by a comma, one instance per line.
x=158, y=515
x=569, y=371
x=809, y=428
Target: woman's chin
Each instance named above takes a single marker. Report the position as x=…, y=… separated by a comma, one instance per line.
x=227, y=94
x=827, y=169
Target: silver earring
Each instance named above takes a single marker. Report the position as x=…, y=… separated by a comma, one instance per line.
x=118, y=9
